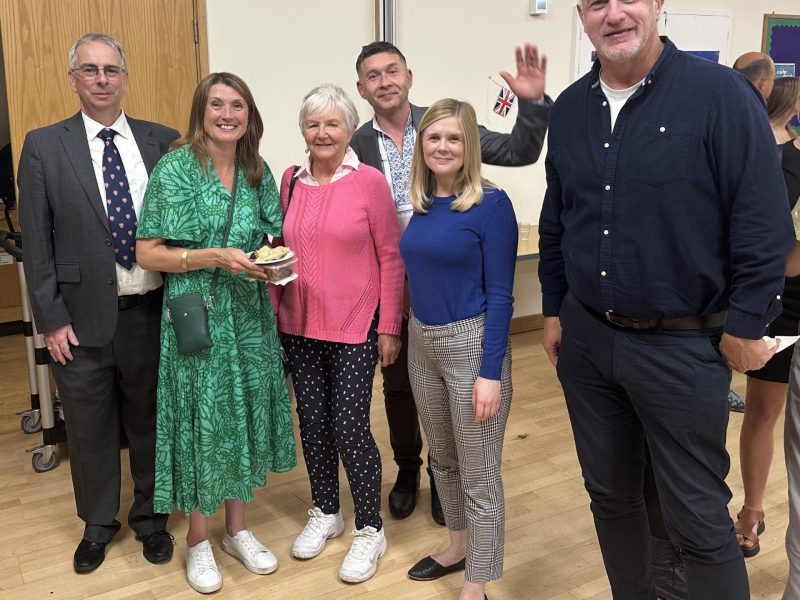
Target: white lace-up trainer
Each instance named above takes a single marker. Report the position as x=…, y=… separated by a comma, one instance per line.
x=201, y=568
x=252, y=553
x=319, y=528
x=362, y=561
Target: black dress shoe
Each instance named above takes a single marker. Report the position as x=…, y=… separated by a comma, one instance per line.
x=157, y=546
x=428, y=569
x=436, y=505
x=88, y=556
x=403, y=497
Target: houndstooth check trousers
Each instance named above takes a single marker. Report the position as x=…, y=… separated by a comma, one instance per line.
x=465, y=456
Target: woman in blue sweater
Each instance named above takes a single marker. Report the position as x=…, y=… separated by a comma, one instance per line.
x=460, y=253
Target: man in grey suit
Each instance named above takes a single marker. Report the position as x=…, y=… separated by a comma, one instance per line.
x=81, y=185
x=387, y=143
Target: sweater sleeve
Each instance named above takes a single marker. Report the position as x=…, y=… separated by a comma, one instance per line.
x=499, y=248
x=385, y=232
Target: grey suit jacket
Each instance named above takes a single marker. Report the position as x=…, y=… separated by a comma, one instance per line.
x=67, y=252
x=520, y=147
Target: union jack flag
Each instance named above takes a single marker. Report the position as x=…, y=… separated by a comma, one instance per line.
x=504, y=102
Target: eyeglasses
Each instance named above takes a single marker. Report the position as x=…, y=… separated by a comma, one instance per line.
x=92, y=71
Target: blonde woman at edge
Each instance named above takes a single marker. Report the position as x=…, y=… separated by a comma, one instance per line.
x=460, y=252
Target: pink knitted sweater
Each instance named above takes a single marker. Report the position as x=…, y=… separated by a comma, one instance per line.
x=346, y=238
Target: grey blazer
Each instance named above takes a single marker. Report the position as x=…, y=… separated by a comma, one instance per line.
x=67, y=252
x=520, y=147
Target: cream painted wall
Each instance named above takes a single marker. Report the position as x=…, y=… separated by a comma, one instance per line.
x=282, y=50
x=452, y=47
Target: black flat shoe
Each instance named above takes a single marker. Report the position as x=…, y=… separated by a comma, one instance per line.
x=88, y=556
x=157, y=546
x=428, y=569
x=403, y=497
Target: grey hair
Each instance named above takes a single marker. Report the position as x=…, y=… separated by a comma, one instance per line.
x=327, y=96
x=96, y=37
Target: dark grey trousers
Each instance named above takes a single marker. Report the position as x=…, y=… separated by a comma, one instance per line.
x=99, y=388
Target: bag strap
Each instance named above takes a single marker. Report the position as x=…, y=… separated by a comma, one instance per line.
x=231, y=205
x=295, y=169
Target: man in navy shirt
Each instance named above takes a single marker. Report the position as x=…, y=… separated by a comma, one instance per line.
x=663, y=238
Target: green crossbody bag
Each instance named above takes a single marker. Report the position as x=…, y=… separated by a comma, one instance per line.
x=188, y=313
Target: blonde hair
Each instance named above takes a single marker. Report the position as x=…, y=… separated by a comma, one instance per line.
x=782, y=102
x=469, y=183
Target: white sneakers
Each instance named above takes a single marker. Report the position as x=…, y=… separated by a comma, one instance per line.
x=201, y=568
x=362, y=561
x=319, y=528
x=359, y=565
x=250, y=552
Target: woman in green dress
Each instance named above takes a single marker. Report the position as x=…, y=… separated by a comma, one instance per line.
x=223, y=416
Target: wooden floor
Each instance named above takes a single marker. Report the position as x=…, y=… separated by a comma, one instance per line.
x=551, y=550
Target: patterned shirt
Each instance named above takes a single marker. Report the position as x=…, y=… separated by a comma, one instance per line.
x=397, y=168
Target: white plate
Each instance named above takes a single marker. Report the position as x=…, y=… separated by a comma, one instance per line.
x=289, y=254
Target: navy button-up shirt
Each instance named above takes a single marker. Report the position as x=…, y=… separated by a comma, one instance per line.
x=679, y=211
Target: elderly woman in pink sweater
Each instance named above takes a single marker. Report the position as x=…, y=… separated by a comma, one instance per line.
x=339, y=318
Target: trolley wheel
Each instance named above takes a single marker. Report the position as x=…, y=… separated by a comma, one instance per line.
x=40, y=465
x=29, y=425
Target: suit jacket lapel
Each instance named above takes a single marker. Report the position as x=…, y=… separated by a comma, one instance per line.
x=368, y=143
x=76, y=147
x=417, y=112
x=148, y=145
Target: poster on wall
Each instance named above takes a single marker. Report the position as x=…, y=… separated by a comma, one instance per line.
x=704, y=33
x=781, y=40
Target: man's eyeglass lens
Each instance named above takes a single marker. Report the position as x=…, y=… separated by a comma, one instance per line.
x=91, y=71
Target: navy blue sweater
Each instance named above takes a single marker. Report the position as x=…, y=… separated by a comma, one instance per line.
x=461, y=264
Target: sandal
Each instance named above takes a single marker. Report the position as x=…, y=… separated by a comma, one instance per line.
x=748, y=521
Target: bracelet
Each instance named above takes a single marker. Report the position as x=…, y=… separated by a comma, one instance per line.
x=185, y=260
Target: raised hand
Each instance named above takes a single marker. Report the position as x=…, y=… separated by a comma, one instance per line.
x=531, y=69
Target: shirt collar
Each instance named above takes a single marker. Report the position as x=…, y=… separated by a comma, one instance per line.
x=377, y=127
x=121, y=126
x=668, y=52
x=350, y=161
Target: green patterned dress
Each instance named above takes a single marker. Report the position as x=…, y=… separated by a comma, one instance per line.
x=223, y=417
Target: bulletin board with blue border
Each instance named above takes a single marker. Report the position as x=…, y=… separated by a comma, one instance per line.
x=781, y=40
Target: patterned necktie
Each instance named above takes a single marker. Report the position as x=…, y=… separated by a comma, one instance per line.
x=121, y=214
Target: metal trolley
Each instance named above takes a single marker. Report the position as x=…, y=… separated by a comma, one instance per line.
x=45, y=413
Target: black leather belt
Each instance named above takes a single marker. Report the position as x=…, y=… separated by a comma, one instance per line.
x=679, y=324
x=126, y=302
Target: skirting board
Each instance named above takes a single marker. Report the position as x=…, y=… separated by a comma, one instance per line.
x=526, y=323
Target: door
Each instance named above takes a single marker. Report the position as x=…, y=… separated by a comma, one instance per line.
x=166, y=55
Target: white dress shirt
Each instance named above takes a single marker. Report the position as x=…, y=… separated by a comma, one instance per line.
x=137, y=280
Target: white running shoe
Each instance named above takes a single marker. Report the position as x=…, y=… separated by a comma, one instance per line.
x=362, y=561
x=319, y=528
x=252, y=553
x=201, y=568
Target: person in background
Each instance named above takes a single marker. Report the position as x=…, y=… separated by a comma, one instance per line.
x=224, y=418
x=460, y=251
x=386, y=142
x=98, y=309
x=341, y=316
